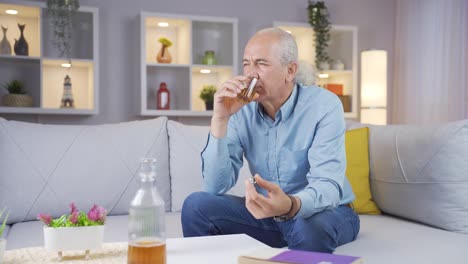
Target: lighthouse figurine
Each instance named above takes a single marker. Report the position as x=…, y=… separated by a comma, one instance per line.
x=67, y=98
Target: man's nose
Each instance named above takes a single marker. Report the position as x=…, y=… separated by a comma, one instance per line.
x=251, y=73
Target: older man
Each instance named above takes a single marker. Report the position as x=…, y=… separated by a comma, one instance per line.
x=293, y=138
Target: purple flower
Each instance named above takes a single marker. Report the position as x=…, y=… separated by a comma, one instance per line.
x=97, y=214
x=73, y=213
x=73, y=209
x=74, y=217
x=45, y=218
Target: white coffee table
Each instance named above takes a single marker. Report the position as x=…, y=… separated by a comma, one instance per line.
x=213, y=249
x=203, y=250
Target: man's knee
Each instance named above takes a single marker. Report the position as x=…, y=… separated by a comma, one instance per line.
x=193, y=202
x=312, y=235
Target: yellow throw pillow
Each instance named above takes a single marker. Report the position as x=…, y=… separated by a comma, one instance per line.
x=357, y=170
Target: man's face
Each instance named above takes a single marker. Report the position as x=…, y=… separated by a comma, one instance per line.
x=262, y=58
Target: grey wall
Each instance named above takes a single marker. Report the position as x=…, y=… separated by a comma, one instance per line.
x=119, y=42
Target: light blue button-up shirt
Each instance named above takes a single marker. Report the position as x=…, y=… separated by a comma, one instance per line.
x=302, y=150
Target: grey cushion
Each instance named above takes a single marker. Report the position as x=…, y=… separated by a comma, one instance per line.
x=388, y=240
x=421, y=173
x=185, y=144
x=46, y=167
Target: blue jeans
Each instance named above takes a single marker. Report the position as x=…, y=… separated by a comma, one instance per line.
x=206, y=214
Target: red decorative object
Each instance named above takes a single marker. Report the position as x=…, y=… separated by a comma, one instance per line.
x=164, y=98
x=335, y=88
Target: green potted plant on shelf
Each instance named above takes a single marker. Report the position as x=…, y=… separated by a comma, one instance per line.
x=2, y=228
x=319, y=20
x=207, y=95
x=17, y=95
x=164, y=56
x=61, y=13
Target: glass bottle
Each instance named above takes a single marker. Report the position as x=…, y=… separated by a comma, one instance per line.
x=164, y=99
x=146, y=227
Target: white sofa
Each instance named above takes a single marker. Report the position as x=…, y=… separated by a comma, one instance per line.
x=419, y=179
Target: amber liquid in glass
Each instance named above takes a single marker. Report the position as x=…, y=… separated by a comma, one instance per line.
x=244, y=97
x=147, y=252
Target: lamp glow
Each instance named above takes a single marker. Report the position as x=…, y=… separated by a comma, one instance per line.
x=66, y=65
x=374, y=87
x=323, y=75
x=205, y=71
x=11, y=11
x=163, y=24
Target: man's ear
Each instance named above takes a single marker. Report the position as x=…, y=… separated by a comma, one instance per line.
x=292, y=70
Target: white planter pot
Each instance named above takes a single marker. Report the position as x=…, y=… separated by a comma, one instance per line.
x=73, y=238
x=2, y=249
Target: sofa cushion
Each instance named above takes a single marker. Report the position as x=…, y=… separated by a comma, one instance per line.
x=185, y=146
x=46, y=167
x=388, y=240
x=357, y=170
x=421, y=173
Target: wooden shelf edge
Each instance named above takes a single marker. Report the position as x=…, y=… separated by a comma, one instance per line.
x=37, y=110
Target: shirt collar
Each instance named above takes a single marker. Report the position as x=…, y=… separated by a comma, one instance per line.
x=288, y=106
x=286, y=109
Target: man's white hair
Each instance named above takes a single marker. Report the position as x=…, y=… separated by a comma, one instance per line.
x=287, y=43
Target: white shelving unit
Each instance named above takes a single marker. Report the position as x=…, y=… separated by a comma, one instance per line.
x=41, y=71
x=343, y=46
x=191, y=37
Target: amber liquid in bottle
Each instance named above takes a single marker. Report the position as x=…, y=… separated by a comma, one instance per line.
x=247, y=94
x=147, y=252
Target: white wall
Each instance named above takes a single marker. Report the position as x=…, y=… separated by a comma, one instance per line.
x=119, y=42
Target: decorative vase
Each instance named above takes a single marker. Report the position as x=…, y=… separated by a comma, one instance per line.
x=324, y=66
x=338, y=65
x=73, y=238
x=2, y=249
x=209, y=58
x=5, y=46
x=17, y=100
x=21, y=45
x=209, y=105
x=163, y=101
x=164, y=56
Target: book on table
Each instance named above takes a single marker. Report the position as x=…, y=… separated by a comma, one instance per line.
x=284, y=255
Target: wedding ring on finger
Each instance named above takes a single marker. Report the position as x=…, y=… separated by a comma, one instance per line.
x=252, y=180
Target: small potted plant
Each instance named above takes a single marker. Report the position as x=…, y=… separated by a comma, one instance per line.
x=2, y=240
x=164, y=56
x=207, y=95
x=75, y=231
x=17, y=95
